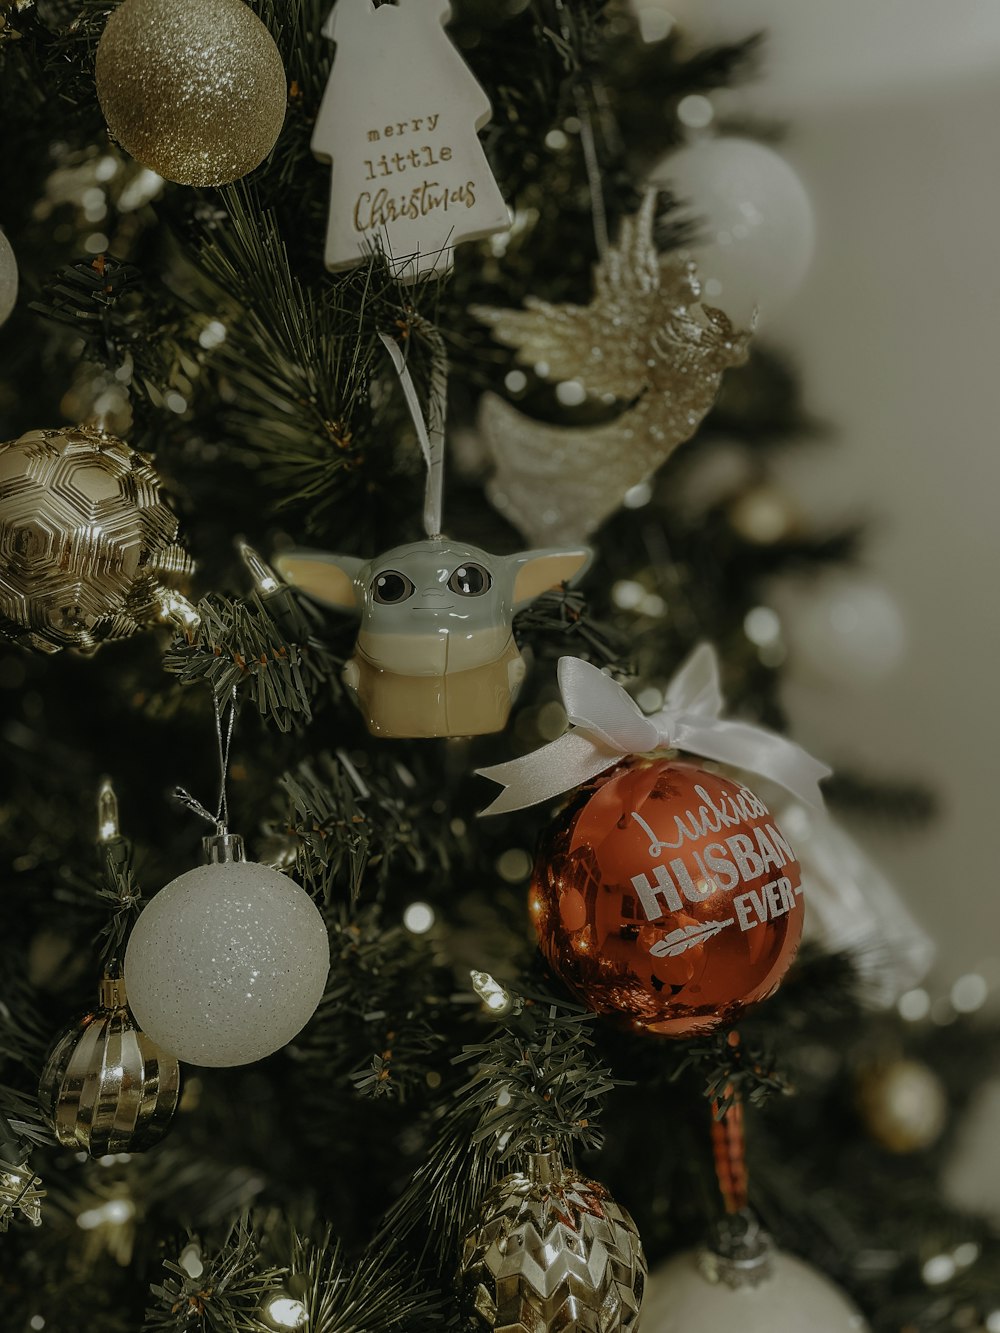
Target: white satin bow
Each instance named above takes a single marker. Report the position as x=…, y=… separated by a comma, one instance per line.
x=608, y=725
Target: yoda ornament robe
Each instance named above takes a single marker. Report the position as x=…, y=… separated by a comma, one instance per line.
x=435, y=654
x=398, y=121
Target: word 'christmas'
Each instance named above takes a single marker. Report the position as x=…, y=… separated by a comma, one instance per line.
x=429, y=197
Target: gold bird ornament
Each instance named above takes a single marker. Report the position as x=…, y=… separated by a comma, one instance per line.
x=645, y=340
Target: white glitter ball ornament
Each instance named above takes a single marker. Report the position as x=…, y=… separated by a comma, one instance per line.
x=681, y=1297
x=227, y=963
x=8, y=279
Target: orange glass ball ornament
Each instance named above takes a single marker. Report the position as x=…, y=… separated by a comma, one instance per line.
x=668, y=895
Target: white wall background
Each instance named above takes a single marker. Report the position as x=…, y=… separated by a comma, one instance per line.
x=894, y=108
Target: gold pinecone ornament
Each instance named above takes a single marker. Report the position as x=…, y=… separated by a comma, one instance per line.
x=552, y=1252
x=106, y=1087
x=85, y=539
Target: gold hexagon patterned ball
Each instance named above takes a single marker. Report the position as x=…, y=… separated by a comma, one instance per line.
x=552, y=1253
x=85, y=540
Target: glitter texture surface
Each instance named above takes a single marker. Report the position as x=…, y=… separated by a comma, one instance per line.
x=193, y=89
x=226, y=964
x=647, y=341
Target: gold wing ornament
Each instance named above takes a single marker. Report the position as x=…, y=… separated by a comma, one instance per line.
x=646, y=340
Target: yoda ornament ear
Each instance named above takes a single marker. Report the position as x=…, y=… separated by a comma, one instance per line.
x=435, y=654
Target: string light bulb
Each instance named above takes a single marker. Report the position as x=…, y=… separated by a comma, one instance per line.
x=265, y=580
x=284, y=1311
x=107, y=813
x=175, y=609
x=496, y=999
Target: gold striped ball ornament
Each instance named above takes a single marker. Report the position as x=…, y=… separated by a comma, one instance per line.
x=194, y=89
x=552, y=1250
x=106, y=1087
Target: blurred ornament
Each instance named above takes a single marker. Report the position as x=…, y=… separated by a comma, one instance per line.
x=647, y=340
x=552, y=1250
x=837, y=55
x=844, y=628
x=743, y=1283
x=193, y=89
x=851, y=905
x=667, y=894
x=435, y=654
x=413, y=186
x=84, y=535
x=903, y=1104
x=106, y=1088
x=8, y=279
x=971, y=1177
x=754, y=229
x=228, y=962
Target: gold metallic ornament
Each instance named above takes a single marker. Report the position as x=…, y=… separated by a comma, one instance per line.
x=647, y=341
x=19, y=1192
x=552, y=1251
x=193, y=89
x=106, y=1088
x=903, y=1104
x=84, y=540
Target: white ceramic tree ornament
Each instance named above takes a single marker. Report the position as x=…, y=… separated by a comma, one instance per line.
x=398, y=121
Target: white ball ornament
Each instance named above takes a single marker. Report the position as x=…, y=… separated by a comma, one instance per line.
x=8, y=279
x=228, y=962
x=681, y=1297
x=754, y=228
x=844, y=629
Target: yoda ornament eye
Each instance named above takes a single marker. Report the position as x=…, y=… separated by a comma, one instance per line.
x=435, y=653
x=470, y=580
x=391, y=587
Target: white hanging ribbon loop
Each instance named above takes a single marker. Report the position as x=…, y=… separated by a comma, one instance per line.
x=608, y=726
x=431, y=436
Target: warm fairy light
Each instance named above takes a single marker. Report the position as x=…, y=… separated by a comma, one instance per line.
x=190, y=1259
x=494, y=997
x=264, y=577
x=285, y=1312
x=418, y=918
x=107, y=812
x=114, y=1212
x=176, y=608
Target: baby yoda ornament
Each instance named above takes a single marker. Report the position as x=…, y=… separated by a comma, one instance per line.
x=435, y=654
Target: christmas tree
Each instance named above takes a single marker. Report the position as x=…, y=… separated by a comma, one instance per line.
x=288, y=294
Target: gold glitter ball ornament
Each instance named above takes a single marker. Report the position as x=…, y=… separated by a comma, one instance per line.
x=552, y=1251
x=106, y=1087
x=84, y=540
x=193, y=89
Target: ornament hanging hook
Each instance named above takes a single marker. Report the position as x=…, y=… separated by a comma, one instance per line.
x=430, y=431
x=225, y=721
